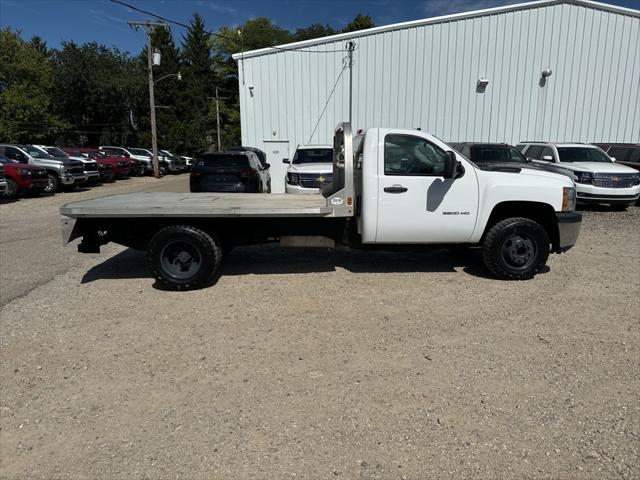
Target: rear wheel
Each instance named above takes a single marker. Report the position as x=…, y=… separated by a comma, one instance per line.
x=12, y=189
x=53, y=183
x=182, y=257
x=516, y=248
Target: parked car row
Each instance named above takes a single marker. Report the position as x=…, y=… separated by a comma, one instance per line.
x=33, y=169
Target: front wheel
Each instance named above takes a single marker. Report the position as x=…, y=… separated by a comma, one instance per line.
x=12, y=189
x=182, y=257
x=516, y=249
x=53, y=183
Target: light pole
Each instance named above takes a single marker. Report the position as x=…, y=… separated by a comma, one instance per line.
x=217, y=117
x=149, y=26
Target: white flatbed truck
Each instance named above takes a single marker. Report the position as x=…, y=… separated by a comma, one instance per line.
x=390, y=187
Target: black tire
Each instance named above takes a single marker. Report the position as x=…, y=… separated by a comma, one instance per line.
x=162, y=170
x=12, y=189
x=515, y=249
x=53, y=183
x=182, y=257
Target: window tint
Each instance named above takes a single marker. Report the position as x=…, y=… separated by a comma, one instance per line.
x=635, y=155
x=222, y=160
x=358, y=148
x=520, y=146
x=409, y=155
x=546, y=151
x=516, y=156
x=491, y=154
x=313, y=155
x=619, y=153
x=580, y=154
x=534, y=152
x=15, y=154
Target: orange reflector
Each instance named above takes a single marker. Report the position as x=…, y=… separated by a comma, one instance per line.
x=349, y=201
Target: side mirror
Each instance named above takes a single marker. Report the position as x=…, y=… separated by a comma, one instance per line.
x=613, y=159
x=547, y=158
x=450, y=165
x=267, y=166
x=285, y=160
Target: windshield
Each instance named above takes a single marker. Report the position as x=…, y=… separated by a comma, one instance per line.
x=36, y=152
x=56, y=152
x=579, y=154
x=139, y=151
x=313, y=155
x=490, y=154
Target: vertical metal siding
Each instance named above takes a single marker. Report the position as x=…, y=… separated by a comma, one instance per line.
x=425, y=76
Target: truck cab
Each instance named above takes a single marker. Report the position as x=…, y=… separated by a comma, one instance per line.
x=391, y=187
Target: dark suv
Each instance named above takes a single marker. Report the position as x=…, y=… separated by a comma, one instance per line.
x=230, y=172
x=624, y=153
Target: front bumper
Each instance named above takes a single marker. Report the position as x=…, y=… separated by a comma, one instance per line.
x=73, y=179
x=593, y=194
x=92, y=177
x=569, y=224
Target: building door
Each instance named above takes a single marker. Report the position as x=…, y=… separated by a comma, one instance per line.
x=276, y=152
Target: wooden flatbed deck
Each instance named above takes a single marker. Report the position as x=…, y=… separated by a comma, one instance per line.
x=165, y=204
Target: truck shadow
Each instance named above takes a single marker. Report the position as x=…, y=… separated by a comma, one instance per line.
x=273, y=260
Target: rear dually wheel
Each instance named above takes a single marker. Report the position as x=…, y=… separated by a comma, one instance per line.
x=182, y=257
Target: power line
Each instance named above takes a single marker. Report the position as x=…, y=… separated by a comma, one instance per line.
x=183, y=25
x=344, y=66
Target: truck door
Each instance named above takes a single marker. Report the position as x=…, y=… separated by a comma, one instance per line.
x=416, y=204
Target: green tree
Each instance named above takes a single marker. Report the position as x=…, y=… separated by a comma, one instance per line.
x=198, y=84
x=315, y=30
x=25, y=92
x=360, y=22
x=99, y=91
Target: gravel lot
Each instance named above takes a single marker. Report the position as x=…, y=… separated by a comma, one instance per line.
x=317, y=364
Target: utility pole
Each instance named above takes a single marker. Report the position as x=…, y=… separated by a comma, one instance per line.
x=217, y=117
x=149, y=26
x=350, y=48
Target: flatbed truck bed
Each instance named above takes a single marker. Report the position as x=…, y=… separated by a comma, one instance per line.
x=199, y=205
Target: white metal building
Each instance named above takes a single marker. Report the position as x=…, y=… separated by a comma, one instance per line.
x=427, y=74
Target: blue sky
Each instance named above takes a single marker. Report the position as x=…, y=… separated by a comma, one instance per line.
x=105, y=22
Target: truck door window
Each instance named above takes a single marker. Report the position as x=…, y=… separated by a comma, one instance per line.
x=407, y=155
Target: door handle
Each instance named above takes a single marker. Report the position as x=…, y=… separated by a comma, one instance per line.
x=395, y=189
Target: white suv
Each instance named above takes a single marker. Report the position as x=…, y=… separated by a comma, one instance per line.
x=310, y=169
x=598, y=178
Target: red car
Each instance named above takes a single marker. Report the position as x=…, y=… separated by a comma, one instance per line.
x=23, y=178
x=121, y=166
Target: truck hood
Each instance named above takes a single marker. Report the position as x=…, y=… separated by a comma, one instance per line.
x=596, y=167
x=52, y=162
x=311, y=168
x=522, y=169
